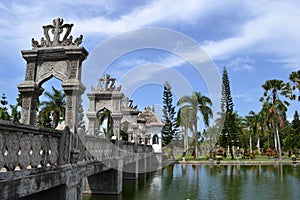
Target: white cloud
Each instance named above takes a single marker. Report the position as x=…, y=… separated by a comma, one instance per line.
x=274, y=30
x=241, y=64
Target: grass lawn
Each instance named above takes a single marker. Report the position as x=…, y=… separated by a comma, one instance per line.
x=257, y=159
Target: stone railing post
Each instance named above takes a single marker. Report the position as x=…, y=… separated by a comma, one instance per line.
x=65, y=147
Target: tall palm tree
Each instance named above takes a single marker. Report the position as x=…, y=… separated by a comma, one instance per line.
x=295, y=79
x=197, y=102
x=273, y=90
x=212, y=134
x=262, y=118
x=184, y=119
x=54, y=107
x=253, y=125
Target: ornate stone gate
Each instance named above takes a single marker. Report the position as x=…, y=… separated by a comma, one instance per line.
x=53, y=57
x=105, y=96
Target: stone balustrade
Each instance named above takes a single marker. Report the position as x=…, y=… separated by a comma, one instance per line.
x=27, y=147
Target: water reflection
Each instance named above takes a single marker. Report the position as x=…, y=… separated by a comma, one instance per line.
x=214, y=182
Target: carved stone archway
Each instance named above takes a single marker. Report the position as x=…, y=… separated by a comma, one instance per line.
x=53, y=57
x=105, y=95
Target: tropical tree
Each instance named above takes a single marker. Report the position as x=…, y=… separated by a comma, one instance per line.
x=197, y=102
x=252, y=121
x=291, y=140
x=262, y=119
x=3, y=109
x=105, y=120
x=212, y=134
x=295, y=79
x=170, y=129
x=229, y=132
x=184, y=119
x=53, y=109
x=15, y=114
x=273, y=90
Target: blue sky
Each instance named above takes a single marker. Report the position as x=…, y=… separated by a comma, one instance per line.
x=255, y=40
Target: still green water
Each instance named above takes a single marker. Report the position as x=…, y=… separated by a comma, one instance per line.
x=193, y=182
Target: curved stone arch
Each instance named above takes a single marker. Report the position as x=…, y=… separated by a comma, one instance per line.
x=98, y=121
x=50, y=74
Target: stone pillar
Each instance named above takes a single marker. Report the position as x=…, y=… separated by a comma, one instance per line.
x=30, y=92
x=142, y=163
x=130, y=134
x=106, y=182
x=117, y=124
x=116, y=113
x=91, y=114
x=73, y=90
x=135, y=129
x=131, y=170
x=73, y=192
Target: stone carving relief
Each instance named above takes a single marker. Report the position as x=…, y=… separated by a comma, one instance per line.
x=73, y=70
x=57, y=29
x=29, y=72
x=58, y=69
x=103, y=104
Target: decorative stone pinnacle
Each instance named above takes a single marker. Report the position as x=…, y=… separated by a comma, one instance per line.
x=106, y=84
x=57, y=29
x=128, y=103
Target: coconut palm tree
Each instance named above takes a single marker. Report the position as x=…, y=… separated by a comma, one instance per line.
x=54, y=107
x=253, y=124
x=104, y=115
x=197, y=102
x=184, y=119
x=295, y=79
x=273, y=90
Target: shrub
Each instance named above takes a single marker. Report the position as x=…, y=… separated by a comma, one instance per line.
x=270, y=152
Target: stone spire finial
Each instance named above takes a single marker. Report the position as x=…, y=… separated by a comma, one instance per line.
x=57, y=29
x=106, y=84
x=128, y=103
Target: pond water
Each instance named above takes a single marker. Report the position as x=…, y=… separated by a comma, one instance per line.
x=192, y=182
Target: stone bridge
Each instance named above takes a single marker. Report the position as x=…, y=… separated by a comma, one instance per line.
x=41, y=163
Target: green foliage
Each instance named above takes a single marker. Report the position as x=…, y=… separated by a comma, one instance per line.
x=295, y=79
x=15, y=114
x=229, y=133
x=190, y=105
x=52, y=111
x=170, y=129
x=273, y=90
x=291, y=136
x=3, y=109
x=104, y=115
